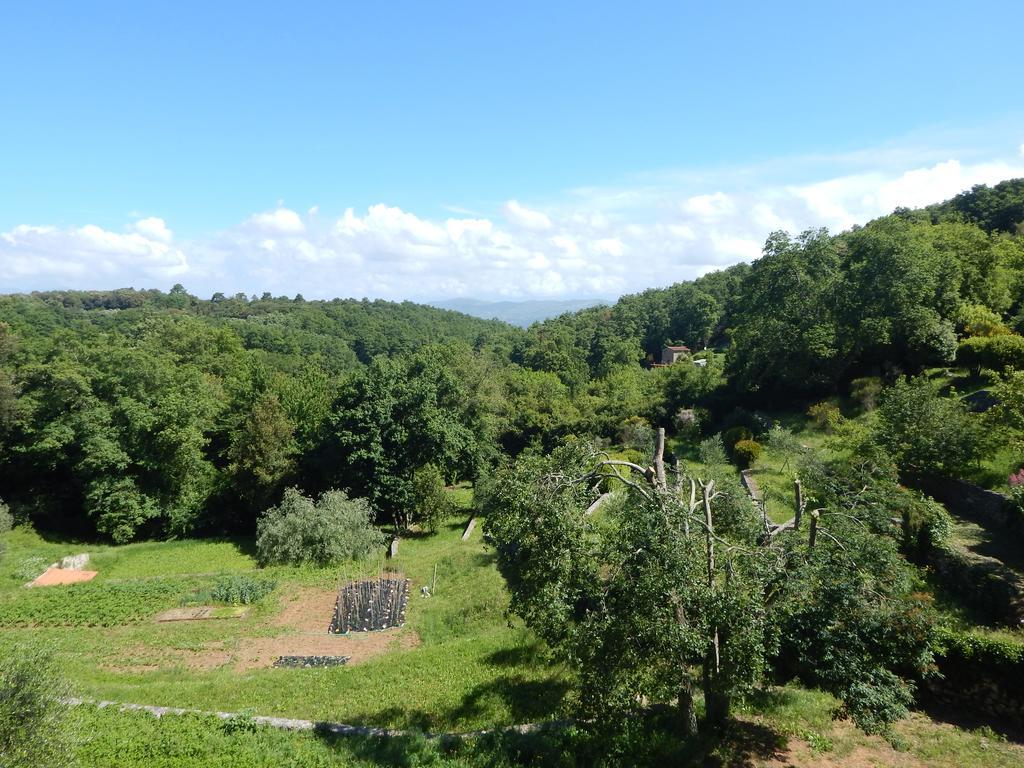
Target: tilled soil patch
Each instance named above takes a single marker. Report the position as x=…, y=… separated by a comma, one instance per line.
x=263, y=651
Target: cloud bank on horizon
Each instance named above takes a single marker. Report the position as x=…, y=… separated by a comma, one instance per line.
x=603, y=242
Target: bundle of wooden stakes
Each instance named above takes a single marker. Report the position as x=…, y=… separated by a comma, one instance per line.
x=365, y=606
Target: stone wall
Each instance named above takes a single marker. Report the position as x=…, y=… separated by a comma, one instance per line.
x=978, y=675
x=986, y=507
x=750, y=483
x=983, y=583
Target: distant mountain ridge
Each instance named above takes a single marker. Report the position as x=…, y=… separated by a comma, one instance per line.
x=521, y=313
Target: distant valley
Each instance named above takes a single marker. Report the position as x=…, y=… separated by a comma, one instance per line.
x=521, y=313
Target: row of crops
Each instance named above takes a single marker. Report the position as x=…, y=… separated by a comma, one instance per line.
x=92, y=604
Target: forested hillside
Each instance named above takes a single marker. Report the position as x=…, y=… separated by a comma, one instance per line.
x=134, y=414
x=818, y=310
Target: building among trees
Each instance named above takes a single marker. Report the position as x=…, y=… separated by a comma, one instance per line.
x=670, y=354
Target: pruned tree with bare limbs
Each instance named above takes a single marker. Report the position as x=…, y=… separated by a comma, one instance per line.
x=659, y=584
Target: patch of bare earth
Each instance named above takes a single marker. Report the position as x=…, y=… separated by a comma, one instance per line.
x=358, y=646
x=203, y=613
x=303, y=621
x=307, y=612
x=308, y=609
x=868, y=752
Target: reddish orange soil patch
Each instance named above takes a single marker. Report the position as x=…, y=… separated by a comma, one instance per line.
x=308, y=609
x=58, y=576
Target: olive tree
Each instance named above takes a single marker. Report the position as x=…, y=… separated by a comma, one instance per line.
x=328, y=530
x=682, y=587
x=33, y=713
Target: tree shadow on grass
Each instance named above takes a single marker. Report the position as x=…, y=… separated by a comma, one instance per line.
x=245, y=545
x=970, y=721
x=485, y=559
x=518, y=699
x=525, y=700
x=744, y=743
x=526, y=654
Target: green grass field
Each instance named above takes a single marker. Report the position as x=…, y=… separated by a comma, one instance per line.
x=459, y=664
x=455, y=665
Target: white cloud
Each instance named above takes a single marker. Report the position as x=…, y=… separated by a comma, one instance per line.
x=34, y=257
x=154, y=228
x=841, y=202
x=526, y=218
x=765, y=216
x=282, y=221
x=591, y=243
x=712, y=206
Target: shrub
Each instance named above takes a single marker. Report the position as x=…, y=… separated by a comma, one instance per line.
x=927, y=433
x=825, y=414
x=927, y=525
x=6, y=523
x=433, y=504
x=1016, y=482
x=979, y=320
x=995, y=352
x=6, y=519
x=712, y=451
x=734, y=435
x=329, y=530
x=688, y=421
x=241, y=590
x=746, y=452
x=865, y=391
x=33, y=729
x=637, y=433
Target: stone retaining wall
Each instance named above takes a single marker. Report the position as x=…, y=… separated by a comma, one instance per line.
x=971, y=690
x=979, y=675
x=986, y=507
x=983, y=582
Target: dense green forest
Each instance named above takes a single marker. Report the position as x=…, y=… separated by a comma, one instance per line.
x=133, y=414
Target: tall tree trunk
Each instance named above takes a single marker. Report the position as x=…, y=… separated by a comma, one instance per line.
x=659, y=460
x=798, y=491
x=687, y=710
x=716, y=703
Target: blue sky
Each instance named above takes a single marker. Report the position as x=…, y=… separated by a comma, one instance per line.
x=424, y=150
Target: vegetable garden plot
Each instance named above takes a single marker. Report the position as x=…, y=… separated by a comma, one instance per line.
x=365, y=606
x=103, y=604
x=306, y=662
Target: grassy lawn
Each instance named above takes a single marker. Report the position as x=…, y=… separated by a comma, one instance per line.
x=780, y=726
x=455, y=665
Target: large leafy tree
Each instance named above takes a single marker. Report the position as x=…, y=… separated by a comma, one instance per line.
x=898, y=297
x=262, y=453
x=785, y=338
x=397, y=416
x=8, y=391
x=118, y=429
x=678, y=583
x=925, y=432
